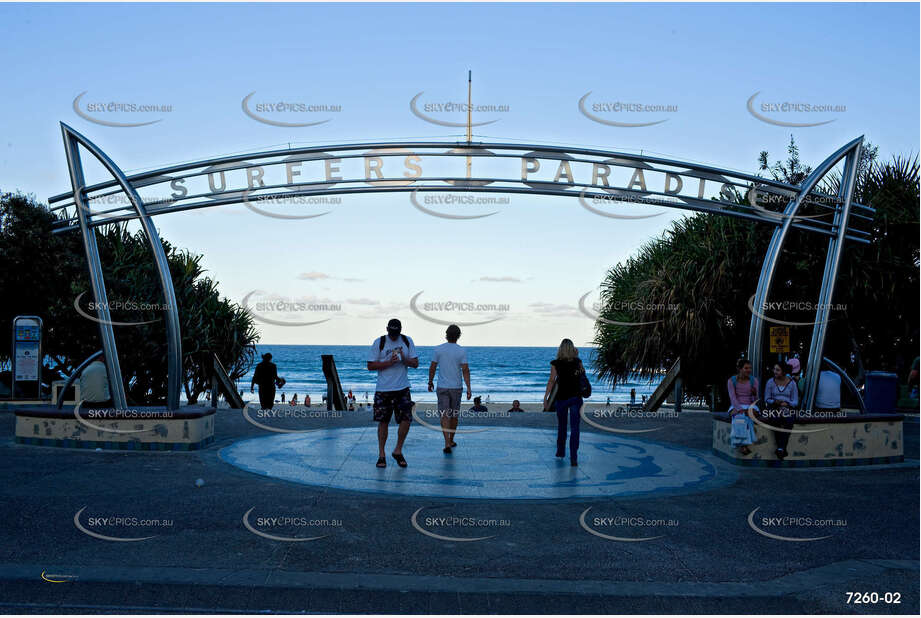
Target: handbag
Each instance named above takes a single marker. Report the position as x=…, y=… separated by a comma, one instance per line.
x=585, y=387
x=742, y=430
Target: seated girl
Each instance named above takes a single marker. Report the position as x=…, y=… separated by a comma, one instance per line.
x=743, y=395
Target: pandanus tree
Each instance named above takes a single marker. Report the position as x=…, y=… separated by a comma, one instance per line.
x=45, y=275
x=686, y=293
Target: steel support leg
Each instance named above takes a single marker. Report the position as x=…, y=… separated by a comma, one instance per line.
x=759, y=301
x=829, y=278
x=106, y=332
x=174, y=339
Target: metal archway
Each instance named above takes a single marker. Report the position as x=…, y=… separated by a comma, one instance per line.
x=528, y=169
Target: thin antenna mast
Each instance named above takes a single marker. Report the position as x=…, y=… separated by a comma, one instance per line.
x=469, y=118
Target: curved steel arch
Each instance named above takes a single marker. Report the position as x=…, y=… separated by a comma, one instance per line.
x=731, y=185
x=72, y=141
x=851, y=153
x=258, y=161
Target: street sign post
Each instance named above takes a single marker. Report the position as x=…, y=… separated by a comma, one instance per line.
x=27, y=353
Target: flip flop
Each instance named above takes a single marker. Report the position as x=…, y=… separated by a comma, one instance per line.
x=381, y=462
x=401, y=461
x=446, y=450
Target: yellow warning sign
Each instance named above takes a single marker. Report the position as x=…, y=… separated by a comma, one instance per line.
x=780, y=339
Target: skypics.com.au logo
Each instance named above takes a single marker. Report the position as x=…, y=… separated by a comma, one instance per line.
x=456, y=206
x=606, y=418
x=114, y=111
x=288, y=112
x=793, y=528
x=632, y=306
x=625, y=114
x=289, y=528
x=130, y=306
x=458, y=527
x=448, y=308
x=275, y=419
x=771, y=112
x=284, y=311
x=793, y=307
x=115, y=528
x=625, y=528
x=448, y=113
x=290, y=207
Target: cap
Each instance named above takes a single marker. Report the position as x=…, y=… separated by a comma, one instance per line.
x=394, y=326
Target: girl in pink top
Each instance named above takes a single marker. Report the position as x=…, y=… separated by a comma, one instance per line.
x=743, y=394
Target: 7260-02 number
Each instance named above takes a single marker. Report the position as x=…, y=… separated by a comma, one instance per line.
x=874, y=597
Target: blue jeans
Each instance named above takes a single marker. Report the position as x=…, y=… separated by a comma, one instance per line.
x=568, y=408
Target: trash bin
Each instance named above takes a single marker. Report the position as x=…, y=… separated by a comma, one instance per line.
x=881, y=392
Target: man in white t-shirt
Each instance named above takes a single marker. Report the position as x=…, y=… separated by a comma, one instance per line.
x=451, y=362
x=828, y=394
x=390, y=356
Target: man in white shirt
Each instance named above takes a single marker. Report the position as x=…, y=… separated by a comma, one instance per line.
x=94, y=385
x=828, y=395
x=390, y=356
x=450, y=360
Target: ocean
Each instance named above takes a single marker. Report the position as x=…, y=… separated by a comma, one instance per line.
x=500, y=373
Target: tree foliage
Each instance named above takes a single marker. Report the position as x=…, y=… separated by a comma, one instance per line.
x=690, y=289
x=45, y=274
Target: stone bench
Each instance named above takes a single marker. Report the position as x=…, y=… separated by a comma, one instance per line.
x=845, y=440
x=143, y=428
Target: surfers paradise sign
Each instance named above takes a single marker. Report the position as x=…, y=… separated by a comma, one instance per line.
x=609, y=184
x=619, y=180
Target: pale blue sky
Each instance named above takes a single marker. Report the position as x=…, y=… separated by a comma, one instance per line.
x=538, y=59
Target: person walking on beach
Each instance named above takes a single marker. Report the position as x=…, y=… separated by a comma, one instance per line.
x=266, y=377
x=450, y=360
x=565, y=371
x=390, y=356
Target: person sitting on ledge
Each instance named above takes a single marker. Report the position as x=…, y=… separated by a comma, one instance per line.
x=743, y=395
x=796, y=372
x=94, y=385
x=478, y=405
x=516, y=407
x=828, y=394
x=781, y=396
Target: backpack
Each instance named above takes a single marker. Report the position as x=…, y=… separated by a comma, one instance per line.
x=380, y=346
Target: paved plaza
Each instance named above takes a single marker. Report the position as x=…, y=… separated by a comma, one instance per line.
x=304, y=522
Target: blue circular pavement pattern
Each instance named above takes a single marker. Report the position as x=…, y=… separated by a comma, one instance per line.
x=500, y=463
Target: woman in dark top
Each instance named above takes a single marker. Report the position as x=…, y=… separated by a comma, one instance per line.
x=565, y=371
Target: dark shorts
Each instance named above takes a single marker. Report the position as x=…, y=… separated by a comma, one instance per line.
x=390, y=403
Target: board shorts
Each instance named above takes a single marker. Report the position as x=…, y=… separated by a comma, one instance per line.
x=390, y=403
x=449, y=402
